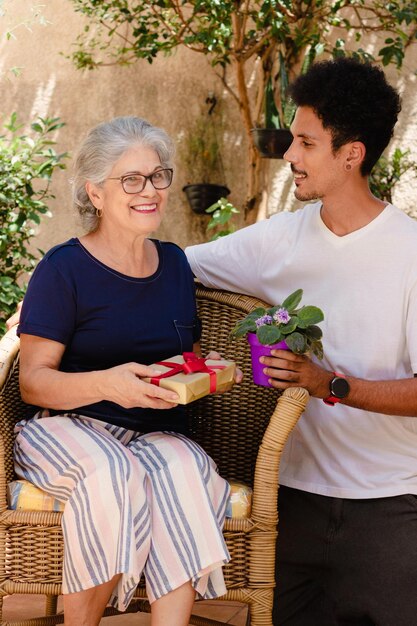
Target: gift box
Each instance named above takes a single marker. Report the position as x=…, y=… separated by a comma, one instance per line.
x=192, y=377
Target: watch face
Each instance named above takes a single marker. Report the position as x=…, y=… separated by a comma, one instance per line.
x=339, y=387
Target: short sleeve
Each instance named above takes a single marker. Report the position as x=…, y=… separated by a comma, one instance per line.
x=49, y=306
x=239, y=261
x=224, y=262
x=411, y=328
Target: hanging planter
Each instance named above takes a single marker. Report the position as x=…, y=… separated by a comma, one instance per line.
x=272, y=143
x=273, y=140
x=202, y=195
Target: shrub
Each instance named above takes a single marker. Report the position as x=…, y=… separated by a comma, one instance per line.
x=27, y=162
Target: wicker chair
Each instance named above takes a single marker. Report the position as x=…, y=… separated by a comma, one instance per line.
x=243, y=430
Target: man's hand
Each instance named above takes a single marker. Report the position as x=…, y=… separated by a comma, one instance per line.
x=286, y=369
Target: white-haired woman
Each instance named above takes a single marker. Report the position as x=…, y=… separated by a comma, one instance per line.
x=140, y=496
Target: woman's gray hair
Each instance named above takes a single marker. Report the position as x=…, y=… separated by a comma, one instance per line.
x=103, y=146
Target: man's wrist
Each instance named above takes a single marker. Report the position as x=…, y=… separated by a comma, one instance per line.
x=339, y=389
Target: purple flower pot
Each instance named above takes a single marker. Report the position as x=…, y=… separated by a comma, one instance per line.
x=257, y=350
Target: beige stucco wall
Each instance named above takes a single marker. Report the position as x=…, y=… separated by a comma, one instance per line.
x=171, y=93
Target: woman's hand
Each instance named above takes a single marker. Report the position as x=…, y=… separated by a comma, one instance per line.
x=123, y=385
x=42, y=384
x=215, y=356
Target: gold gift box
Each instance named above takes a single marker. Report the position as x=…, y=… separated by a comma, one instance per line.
x=193, y=386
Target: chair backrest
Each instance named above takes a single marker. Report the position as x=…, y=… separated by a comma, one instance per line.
x=230, y=426
x=12, y=407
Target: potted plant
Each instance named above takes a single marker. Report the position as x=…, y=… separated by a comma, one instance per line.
x=388, y=171
x=274, y=140
x=222, y=213
x=284, y=326
x=202, y=159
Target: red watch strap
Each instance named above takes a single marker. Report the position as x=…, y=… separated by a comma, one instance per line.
x=331, y=400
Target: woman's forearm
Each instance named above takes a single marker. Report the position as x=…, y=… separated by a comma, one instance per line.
x=53, y=389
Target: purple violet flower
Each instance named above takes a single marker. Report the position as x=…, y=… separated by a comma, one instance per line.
x=282, y=316
x=263, y=321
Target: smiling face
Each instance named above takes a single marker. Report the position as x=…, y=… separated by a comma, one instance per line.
x=140, y=213
x=318, y=172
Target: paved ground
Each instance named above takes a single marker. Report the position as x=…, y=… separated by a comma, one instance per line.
x=23, y=607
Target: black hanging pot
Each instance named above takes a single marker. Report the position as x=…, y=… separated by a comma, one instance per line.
x=202, y=195
x=272, y=143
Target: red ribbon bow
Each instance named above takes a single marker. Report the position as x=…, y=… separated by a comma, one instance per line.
x=192, y=364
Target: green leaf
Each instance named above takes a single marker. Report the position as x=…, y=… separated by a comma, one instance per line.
x=297, y=343
x=314, y=332
x=292, y=301
x=272, y=119
x=290, y=327
x=310, y=315
x=258, y=312
x=243, y=328
x=268, y=335
x=317, y=349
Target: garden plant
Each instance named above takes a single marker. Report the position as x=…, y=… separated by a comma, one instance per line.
x=258, y=39
x=27, y=163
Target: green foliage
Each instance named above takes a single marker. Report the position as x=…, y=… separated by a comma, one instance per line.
x=222, y=213
x=200, y=150
x=286, y=322
x=9, y=26
x=211, y=26
x=283, y=118
x=388, y=171
x=272, y=117
x=233, y=32
x=281, y=35
x=27, y=162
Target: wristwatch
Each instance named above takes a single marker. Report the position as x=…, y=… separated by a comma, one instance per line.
x=339, y=389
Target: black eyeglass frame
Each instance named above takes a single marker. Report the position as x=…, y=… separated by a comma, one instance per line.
x=145, y=179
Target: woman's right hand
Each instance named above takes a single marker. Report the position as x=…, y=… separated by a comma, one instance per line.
x=42, y=384
x=123, y=385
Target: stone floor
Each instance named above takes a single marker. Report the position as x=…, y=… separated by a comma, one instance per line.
x=21, y=607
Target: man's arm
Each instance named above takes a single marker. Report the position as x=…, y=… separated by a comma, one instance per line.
x=390, y=397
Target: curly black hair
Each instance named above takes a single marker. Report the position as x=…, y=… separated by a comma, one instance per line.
x=354, y=101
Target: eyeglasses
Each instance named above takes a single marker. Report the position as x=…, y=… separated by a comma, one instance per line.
x=135, y=183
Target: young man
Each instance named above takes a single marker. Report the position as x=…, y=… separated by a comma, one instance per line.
x=347, y=548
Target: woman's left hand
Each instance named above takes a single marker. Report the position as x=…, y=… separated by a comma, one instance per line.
x=215, y=356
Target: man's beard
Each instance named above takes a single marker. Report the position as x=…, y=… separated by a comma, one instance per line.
x=306, y=197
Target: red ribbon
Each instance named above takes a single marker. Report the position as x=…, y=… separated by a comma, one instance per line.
x=192, y=364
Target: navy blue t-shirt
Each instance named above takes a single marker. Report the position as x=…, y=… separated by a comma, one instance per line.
x=105, y=318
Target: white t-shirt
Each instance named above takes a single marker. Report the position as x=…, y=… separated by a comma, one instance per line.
x=366, y=284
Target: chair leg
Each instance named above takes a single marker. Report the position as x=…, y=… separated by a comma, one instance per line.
x=51, y=605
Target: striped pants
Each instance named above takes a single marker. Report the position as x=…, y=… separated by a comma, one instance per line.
x=134, y=503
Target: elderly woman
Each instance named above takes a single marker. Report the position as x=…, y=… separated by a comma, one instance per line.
x=140, y=496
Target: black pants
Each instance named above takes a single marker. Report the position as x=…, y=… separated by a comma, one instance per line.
x=346, y=562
